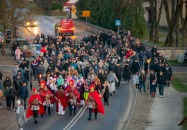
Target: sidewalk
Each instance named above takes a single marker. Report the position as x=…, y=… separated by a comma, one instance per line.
x=166, y=113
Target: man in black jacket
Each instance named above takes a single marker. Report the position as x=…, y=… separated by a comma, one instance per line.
x=118, y=72
x=161, y=82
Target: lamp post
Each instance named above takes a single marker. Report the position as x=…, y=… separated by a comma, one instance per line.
x=30, y=59
x=149, y=87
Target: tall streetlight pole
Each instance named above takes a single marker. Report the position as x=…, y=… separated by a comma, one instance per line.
x=148, y=61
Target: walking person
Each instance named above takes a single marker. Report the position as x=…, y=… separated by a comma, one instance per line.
x=15, y=71
x=153, y=83
x=23, y=94
x=12, y=92
x=94, y=103
x=118, y=72
x=161, y=83
x=7, y=96
x=18, y=54
x=35, y=106
x=20, y=115
x=168, y=74
x=126, y=73
x=106, y=92
x=142, y=79
x=136, y=80
x=7, y=82
x=112, y=79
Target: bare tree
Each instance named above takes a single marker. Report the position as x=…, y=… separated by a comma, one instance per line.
x=5, y=16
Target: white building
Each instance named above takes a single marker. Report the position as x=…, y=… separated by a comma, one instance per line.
x=69, y=7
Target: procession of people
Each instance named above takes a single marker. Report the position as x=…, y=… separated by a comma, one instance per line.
x=84, y=73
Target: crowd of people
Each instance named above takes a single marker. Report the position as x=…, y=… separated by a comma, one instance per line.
x=78, y=73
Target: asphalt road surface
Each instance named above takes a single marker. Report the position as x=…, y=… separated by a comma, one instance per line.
x=46, y=26
x=118, y=103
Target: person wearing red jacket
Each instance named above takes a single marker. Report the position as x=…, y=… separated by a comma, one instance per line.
x=35, y=105
x=94, y=103
x=72, y=96
x=129, y=53
x=43, y=49
x=62, y=102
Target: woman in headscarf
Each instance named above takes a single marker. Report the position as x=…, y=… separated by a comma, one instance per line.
x=45, y=66
x=7, y=82
x=60, y=81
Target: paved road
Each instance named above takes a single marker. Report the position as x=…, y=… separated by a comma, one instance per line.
x=109, y=121
x=46, y=26
x=114, y=112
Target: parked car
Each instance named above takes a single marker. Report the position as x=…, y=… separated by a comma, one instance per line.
x=38, y=47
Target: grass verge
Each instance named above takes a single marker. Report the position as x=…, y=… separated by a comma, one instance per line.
x=175, y=63
x=178, y=85
x=185, y=112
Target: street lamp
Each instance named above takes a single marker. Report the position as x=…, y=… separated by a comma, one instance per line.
x=30, y=59
x=148, y=61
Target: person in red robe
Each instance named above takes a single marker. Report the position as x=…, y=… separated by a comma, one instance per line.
x=35, y=106
x=73, y=96
x=94, y=103
x=45, y=95
x=62, y=101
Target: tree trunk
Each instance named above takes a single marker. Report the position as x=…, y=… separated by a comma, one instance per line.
x=167, y=12
x=177, y=34
x=158, y=23
x=152, y=31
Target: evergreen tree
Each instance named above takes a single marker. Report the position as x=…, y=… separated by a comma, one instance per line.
x=105, y=12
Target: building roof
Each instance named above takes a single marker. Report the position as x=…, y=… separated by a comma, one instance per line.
x=69, y=4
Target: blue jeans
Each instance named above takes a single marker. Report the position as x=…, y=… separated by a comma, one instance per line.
x=161, y=89
x=142, y=84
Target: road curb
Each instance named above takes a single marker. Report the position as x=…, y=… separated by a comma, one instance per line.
x=127, y=115
x=133, y=108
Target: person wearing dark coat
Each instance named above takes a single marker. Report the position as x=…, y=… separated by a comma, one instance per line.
x=154, y=50
x=141, y=58
x=18, y=83
x=126, y=73
x=23, y=92
x=40, y=70
x=23, y=64
x=1, y=75
x=26, y=74
x=112, y=66
x=153, y=83
x=105, y=75
x=7, y=96
x=148, y=54
x=118, y=72
x=34, y=65
x=161, y=67
x=161, y=83
x=100, y=76
x=135, y=67
x=12, y=92
x=142, y=79
x=168, y=74
x=7, y=82
x=106, y=92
